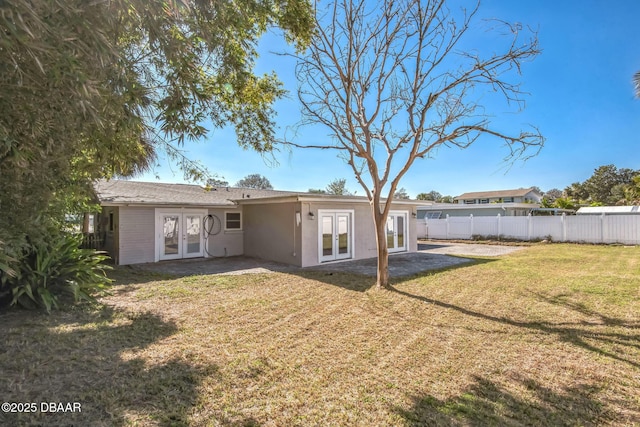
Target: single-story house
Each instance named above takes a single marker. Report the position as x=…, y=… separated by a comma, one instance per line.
x=145, y=222
x=519, y=195
x=609, y=210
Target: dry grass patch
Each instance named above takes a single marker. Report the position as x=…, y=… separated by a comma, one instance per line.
x=545, y=336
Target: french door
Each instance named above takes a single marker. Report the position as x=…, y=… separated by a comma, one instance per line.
x=335, y=235
x=397, y=231
x=179, y=234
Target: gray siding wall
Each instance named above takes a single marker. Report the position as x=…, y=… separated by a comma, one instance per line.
x=136, y=233
x=271, y=232
x=225, y=242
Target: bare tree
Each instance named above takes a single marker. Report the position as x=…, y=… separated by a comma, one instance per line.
x=392, y=82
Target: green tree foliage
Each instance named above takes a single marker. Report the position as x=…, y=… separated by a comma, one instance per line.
x=54, y=268
x=255, y=181
x=432, y=195
x=401, y=193
x=632, y=192
x=606, y=186
x=447, y=199
x=216, y=182
x=338, y=187
x=94, y=89
x=563, y=203
x=549, y=197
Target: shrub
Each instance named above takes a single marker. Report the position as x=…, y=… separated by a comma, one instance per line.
x=48, y=270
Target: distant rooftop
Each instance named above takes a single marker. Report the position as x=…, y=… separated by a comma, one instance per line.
x=519, y=192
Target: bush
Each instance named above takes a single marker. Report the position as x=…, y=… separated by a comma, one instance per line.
x=45, y=271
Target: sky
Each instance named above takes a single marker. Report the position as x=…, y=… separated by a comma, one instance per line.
x=581, y=98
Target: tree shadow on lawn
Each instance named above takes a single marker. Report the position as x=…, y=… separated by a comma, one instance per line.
x=576, y=333
x=486, y=403
x=351, y=275
x=89, y=358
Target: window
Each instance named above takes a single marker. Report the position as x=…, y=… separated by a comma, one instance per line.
x=111, y=221
x=433, y=215
x=484, y=201
x=470, y=202
x=508, y=200
x=232, y=221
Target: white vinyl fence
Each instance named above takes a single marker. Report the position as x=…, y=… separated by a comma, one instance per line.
x=623, y=229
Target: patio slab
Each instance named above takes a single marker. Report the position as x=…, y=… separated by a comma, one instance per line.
x=430, y=256
x=232, y=265
x=400, y=265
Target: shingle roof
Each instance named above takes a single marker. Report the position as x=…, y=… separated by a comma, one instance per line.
x=155, y=193
x=493, y=194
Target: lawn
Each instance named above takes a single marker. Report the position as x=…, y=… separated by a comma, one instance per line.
x=549, y=335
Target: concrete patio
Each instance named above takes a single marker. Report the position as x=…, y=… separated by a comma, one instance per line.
x=432, y=256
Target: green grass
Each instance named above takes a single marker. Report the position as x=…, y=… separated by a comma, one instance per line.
x=548, y=336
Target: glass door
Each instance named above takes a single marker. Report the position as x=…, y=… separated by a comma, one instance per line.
x=179, y=234
x=171, y=247
x=193, y=230
x=343, y=236
x=335, y=235
x=397, y=231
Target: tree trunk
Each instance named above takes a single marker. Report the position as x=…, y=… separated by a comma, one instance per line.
x=382, y=273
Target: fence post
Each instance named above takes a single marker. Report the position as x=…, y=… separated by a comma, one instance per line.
x=426, y=227
x=602, y=227
x=529, y=226
x=447, y=219
x=563, y=221
x=499, y=226
x=471, y=225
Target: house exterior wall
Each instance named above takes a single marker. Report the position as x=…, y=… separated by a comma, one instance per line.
x=108, y=228
x=364, y=230
x=271, y=231
x=133, y=240
x=224, y=242
x=136, y=235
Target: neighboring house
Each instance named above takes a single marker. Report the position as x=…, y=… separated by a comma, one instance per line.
x=609, y=210
x=441, y=210
x=518, y=202
x=148, y=222
x=520, y=195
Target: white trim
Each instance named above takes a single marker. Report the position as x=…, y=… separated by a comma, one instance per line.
x=393, y=215
x=159, y=232
x=225, y=221
x=351, y=234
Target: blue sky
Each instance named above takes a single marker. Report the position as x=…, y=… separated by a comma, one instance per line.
x=581, y=99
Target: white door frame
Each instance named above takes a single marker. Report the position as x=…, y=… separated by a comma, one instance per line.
x=182, y=235
x=336, y=215
x=393, y=217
